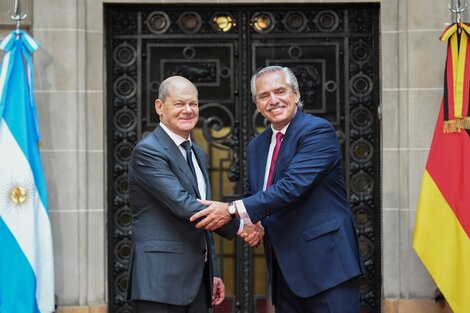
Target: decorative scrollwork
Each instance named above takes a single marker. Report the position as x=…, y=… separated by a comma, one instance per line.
x=295, y=21
x=361, y=85
x=158, y=22
x=361, y=150
x=190, y=22
x=295, y=52
x=259, y=122
x=360, y=52
x=223, y=22
x=364, y=217
x=219, y=118
x=124, y=54
x=361, y=118
x=215, y=117
x=199, y=73
x=125, y=120
x=125, y=87
x=327, y=21
x=233, y=142
x=310, y=81
x=263, y=22
x=362, y=183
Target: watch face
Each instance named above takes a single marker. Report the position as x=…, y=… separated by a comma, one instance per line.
x=231, y=209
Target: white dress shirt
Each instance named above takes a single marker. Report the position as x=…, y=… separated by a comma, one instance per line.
x=178, y=140
x=239, y=203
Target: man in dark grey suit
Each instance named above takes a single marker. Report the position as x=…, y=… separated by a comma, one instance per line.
x=172, y=267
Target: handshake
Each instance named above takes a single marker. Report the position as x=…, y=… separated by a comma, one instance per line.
x=217, y=215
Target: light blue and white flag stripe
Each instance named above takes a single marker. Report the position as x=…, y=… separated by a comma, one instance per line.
x=26, y=258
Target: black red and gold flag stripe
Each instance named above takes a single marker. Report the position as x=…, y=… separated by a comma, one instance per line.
x=457, y=78
x=442, y=228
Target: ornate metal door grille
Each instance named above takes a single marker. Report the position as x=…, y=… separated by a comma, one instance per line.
x=333, y=49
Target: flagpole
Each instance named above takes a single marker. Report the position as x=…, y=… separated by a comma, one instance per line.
x=457, y=9
x=18, y=17
x=27, y=259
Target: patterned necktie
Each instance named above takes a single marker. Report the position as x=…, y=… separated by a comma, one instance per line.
x=279, y=137
x=189, y=156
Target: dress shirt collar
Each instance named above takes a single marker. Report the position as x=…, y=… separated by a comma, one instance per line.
x=283, y=131
x=177, y=139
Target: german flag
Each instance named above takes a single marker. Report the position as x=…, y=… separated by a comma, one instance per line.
x=442, y=228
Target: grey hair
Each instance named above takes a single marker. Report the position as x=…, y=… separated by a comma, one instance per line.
x=164, y=89
x=290, y=77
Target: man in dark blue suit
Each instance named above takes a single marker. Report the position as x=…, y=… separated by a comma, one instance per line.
x=296, y=188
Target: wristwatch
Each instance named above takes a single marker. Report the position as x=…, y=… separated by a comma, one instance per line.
x=232, y=210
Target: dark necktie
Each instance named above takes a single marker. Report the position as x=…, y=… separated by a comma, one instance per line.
x=189, y=156
x=279, y=137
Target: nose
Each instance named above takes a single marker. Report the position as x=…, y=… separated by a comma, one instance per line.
x=187, y=108
x=273, y=99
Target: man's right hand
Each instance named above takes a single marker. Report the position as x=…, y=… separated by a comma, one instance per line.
x=213, y=217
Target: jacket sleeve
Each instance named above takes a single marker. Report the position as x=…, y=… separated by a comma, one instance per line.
x=152, y=171
x=317, y=153
x=214, y=263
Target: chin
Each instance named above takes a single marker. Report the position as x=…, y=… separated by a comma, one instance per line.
x=188, y=129
x=278, y=119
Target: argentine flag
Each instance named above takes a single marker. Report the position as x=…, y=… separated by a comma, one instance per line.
x=26, y=260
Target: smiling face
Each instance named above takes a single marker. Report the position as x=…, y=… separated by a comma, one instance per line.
x=275, y=98
x=178, y=107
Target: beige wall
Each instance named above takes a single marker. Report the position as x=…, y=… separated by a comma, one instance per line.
x=71, y=106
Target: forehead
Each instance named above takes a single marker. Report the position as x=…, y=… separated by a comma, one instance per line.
x=182, y=91
x=271, y=80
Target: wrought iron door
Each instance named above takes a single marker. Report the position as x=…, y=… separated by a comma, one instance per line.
x=332, y=49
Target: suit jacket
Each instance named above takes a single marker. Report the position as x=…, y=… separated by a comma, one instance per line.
x=307, y=218
x=168, y=253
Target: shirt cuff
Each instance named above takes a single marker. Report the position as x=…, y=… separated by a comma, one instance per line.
x=240, y=228
x=241, y=209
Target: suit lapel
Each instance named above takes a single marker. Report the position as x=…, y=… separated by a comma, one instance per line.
x=199, y=153
x=175, y=155
x=286, y=150
x=262, y=156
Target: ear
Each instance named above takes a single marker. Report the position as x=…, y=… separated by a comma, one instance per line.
x=158, y=107
x=297, y=95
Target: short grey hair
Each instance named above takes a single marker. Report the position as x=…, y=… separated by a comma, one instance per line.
x=164, y=89
x=290, y=77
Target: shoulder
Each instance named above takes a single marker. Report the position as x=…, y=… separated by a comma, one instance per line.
x=308, y=122
x=262, y=137
x=151, y=145
x=314, y=120
x=149, y=141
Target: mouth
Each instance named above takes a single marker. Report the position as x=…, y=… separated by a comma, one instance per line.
x=188, y=119
x=277, y=108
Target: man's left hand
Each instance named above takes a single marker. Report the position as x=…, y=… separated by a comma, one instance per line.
x=218, y=291
x=252, y=234
x=213, y=217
